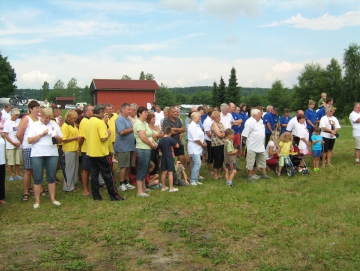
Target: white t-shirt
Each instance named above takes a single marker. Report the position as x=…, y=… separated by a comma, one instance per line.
x=254, y=131
x=325, y=122
x=302, y=132
x=292, y=125
x=158, y=117
x=356, y=126
x=44, y=146
x=25, y=143
x=11, y=127
x=194, y=133
x=207, y=127
x=2, y=151
x=5, y=115
x=227, y=120
x=270, y=144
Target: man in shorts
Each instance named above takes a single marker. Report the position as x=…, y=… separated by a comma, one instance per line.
x=124, y=145
x=355, y=122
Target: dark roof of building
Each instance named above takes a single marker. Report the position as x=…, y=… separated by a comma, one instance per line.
x=118, y=84
x=65, y=98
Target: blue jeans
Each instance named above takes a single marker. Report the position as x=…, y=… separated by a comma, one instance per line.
x=47, y=162
x=144, y=157
x=196, y=158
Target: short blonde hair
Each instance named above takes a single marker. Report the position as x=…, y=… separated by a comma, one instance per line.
x=215, y=114
x=329, y=108
x=71, y=114
x=311, y=102
x=15, y=112
x=46, y=112
x=194, y=115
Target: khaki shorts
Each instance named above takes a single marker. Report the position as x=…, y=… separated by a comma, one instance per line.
x=13, y=157
x=126, y=159
x=357, y=142
x=260, y=158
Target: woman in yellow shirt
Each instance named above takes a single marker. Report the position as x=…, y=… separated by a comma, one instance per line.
x=71, y=149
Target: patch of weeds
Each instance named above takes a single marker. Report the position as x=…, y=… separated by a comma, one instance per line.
x=167, y=226
x=78, y=265
x=149, y=247
x=141, y=261
x=45, y=239
x=122, y=265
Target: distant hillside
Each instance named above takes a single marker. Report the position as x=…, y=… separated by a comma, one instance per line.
x=243, y=91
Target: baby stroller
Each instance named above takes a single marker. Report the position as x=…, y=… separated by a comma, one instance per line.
x=292, y=162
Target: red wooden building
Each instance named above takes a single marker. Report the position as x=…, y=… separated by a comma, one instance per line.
x=64, y=100
x=117, y=92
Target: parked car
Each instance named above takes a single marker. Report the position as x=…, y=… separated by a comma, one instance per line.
x=70, y=106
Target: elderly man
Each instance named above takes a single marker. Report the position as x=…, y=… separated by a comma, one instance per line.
x=111, y=122
x=132, y=116
x=292, y=125
x=271, y=121
x=355, y=122
x=254, y=135
x=159, y=115
x=125, y=146
x=226, y=118
x=6, y=112
x=177, y=128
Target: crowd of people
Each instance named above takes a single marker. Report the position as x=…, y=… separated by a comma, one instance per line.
x=87, y=143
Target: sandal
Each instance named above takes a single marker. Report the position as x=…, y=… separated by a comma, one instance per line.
x=31, y=191
x=43, y=192
x=25, y=197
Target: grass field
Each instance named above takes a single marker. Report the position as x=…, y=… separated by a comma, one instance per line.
x=300, y=223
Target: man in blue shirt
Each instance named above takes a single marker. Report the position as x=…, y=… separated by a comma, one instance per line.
x=271, y=121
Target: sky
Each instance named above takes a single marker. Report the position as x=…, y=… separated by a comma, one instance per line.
x=181, y=42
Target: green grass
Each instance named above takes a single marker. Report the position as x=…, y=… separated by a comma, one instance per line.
x=300, y=223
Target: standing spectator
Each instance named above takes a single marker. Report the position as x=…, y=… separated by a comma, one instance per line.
x=317, y=141
x=321, y=112
x=70, y=147
x=159, y=115
x=46, y=104
x=271, y=121
x=195, y=146
x=244, y=116
x=153, y=105
x=303, y=133
x=269, y=109
x=229, y=157
x=329, y=126
x=2, y=171
x=254, y=135
x=322, y=101
x=22, y=135
x=311, y=118
x=291, y=127
x=166, y=114
x=96, y=136
x=207, y=130
x=125, y=146
x=355, y=122
x=6, y=112
x=85, y=161
x=44, y=135
x=133, y=113
x=177, y=128
x=157, y=134
x=144, y=144
x=226, y=117
x=284, y=120
x=203, y=111
x=13, y=145
x=217, y=143
x=236, y=128
x=111, y=122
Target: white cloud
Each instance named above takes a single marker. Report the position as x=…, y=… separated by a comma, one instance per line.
x=180, y=5
x=10, y=41
x=35, y=77
x=230, y=9
x=325, y=22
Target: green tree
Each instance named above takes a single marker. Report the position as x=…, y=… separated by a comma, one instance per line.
x=279, y=96
x=149, y=76
x=351, y=66
x=125, y=77
x=59, y=85
x=45, y=90
x=86, y=93
x=233, y=91
x=334, y=84
x=201, y=98
x=255, y=100
x=311, y=83
x=7, y=77
x=164, y=97
x=51, y=97
x=142, y=76
x=215, y=95
x=181, y=98
x=222, y=91
x=72, y=89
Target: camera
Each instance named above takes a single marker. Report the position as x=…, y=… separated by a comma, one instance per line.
x=54, y=140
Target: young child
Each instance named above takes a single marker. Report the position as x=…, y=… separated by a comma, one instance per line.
x=285, y=148
x=317, y=141
x=167, y=145
x=180, y=170
x=229, y=157
x=152, y=180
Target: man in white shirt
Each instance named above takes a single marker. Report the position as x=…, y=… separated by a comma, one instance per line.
x=159, y=115
x=254, y=136
x=292, y=125
x=6, y=112
x=207, y=130
x=355, y=122
x=226, y=117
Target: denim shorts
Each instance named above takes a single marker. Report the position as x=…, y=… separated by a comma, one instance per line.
x=143, y=163
x=316, y=153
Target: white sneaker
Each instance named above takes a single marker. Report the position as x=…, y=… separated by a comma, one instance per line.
x=123, y=187
x=165, y=188
x=256, y=177
x=201, y=178
x=193, y=183
x=56, y=203
x=198, y=183
x=129, y=186
x=174, y=190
